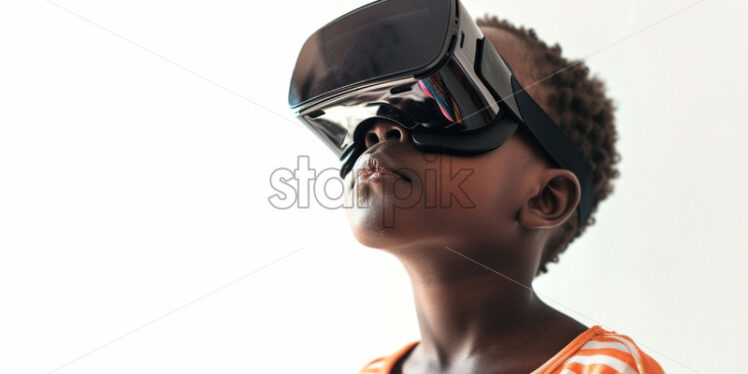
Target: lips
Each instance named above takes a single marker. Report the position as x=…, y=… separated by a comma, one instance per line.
x=374, y=167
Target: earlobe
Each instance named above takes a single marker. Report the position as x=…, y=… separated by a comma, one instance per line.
x=557, y=200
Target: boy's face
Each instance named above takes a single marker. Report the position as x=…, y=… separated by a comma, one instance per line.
x=425, y=205
x=442, y=199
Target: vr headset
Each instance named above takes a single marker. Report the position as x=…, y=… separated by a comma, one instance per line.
x=425, y=65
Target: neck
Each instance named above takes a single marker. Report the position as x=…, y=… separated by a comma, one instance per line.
x=469, y=307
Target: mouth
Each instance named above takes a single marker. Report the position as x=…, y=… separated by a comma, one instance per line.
x=374, y=169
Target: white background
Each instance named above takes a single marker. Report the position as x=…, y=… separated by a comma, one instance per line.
x=134, y=173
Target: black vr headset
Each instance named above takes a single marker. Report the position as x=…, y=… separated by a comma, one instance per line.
x=425, y=65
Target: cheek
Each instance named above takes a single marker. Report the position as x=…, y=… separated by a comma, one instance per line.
x=473, y=200
x=469, y=183
x=484, y=201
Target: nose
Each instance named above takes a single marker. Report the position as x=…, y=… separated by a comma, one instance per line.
x=384, y=130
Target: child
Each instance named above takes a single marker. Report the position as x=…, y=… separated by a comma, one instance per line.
x=471, y=265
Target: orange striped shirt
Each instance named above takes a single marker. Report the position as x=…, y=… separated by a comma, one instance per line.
x=595, y=351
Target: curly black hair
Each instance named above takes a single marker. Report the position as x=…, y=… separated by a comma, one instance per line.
x=577, y=103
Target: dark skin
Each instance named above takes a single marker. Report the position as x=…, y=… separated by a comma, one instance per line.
x=476, y=314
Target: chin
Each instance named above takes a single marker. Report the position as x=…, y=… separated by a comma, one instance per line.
x=376, y=226
x=379, y=219
x=411, y=227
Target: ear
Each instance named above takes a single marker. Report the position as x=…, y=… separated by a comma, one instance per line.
x=557, y=199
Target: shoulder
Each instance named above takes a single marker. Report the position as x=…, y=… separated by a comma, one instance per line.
x=608, y=352
x=374, y=366
x=384, y=364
